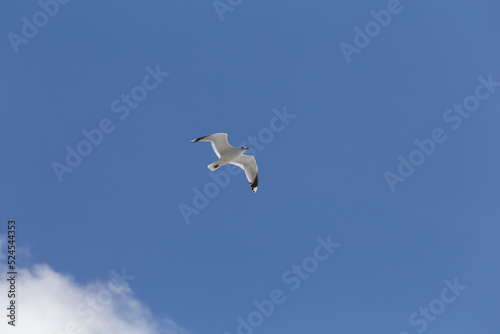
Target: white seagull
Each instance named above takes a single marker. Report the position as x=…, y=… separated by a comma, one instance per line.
x=232, y=155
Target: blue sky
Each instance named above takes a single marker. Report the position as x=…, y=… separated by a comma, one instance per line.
x=321, y=175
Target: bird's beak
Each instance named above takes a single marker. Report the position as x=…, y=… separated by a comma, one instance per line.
x=246, y=148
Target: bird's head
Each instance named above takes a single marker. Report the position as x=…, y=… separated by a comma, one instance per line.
x=244, y=148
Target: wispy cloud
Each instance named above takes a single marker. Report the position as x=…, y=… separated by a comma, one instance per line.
x=49, y=302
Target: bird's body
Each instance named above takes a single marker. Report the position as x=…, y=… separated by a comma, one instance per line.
x=227, y=158
x=232, y=155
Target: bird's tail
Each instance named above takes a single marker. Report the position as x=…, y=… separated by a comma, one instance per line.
x=213, y=166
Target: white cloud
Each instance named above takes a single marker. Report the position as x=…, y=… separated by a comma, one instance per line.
x=49, y=302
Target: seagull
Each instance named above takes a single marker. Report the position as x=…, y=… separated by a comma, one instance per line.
x=232, y=155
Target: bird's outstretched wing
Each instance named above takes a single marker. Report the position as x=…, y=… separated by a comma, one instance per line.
x=218, y=141
x=248, y=164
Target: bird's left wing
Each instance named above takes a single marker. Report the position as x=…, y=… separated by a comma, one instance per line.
x=218, y=141
x=248, y=164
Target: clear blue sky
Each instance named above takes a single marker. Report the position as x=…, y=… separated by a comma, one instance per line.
x=321, y=175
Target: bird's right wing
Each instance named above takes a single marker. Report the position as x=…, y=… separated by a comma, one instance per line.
x=248, y=164
x=218, y=141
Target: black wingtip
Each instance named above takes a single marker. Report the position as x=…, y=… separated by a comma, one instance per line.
x=255, y=183
x=197, y=139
